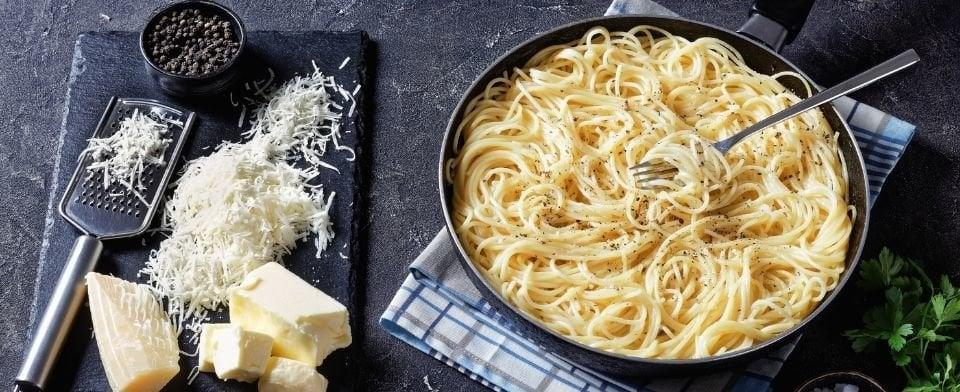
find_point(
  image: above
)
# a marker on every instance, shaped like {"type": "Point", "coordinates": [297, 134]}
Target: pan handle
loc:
{"type": "Point", "coordinates": [776, 22]}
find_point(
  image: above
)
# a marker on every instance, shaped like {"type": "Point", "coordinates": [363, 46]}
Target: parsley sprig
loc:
{"type": "Point", "coordinates": [917, 323]}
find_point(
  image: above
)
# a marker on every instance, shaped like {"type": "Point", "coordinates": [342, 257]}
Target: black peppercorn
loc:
{"type": "Point", "coordinates": [191, 42]}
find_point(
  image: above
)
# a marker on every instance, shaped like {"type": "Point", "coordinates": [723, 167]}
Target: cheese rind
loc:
{"type": "Point", "coordinates": [136, 341]}
{"type": "Point", "coordinates": [305, 323]}
{"type": "Point", "coordinates": [207, 346]}
{"type": "Point", "coordinates": [287, 375]}
{"type": "Point", "coordinates": [239, 354]}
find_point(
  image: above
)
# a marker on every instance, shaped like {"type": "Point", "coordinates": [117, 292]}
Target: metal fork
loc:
{"type": "Point", "coordinates": [649, 171]}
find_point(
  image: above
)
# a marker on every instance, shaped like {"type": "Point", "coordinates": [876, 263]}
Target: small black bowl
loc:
{"type": "Point", "coordinates": [829, 380]}
{"type": "Point", "coordinates": [196, 85]}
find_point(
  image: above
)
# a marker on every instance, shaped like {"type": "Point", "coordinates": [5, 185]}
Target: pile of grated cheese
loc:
{"type": "Point", "coordinates": [123, 156]}
{"type": "Point", "coordinates": [301, 120]}
{"type": "Point", "coordinates": [247, 203]}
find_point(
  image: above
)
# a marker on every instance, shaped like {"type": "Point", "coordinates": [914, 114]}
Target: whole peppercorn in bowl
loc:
{"type": "Point", "coordinates": [193, 48]}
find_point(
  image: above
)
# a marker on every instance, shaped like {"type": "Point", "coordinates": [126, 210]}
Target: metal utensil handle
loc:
{"type": "Point", "coordinates": [884, 69]}
{"type": "Point", "coordinates": [60, 312]}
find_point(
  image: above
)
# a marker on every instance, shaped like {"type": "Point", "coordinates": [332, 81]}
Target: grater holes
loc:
{"type": "Point", "coordinates": [91, 182]}
{"type": "Point", "coordinates": [113, 199]}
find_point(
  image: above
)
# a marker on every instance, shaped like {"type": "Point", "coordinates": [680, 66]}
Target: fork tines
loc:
{"type": "Point", "coordinates": [655, 169]}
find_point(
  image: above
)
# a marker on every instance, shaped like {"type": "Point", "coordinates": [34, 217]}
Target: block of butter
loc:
{"type": "Point", "coordinates": [305, 323]}
{"type": "Point", "coordinates": [207, 346]}
{"type": "Point", "coordinates": [137, 342]}
{"type": "Point", "coordinates": [287, 375]}
{"type": "Point", "coordinates": [239, 354]}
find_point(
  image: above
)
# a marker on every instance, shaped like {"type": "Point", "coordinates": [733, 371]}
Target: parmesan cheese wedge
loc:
{"type": "Point", "coordinates": [136, 341]}
{"type": "Point", "coordinates": [306, 324]}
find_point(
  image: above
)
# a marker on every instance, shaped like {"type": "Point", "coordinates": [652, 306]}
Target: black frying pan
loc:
{"type": "Point", "coordinates": [772, 24]}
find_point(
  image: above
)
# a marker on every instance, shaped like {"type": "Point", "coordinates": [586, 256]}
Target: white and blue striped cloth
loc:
{"type": "Point", "coordinates": [440, 312]}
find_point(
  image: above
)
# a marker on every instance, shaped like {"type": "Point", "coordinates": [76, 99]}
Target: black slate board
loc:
{"type": "Point", "coordinates": [107, 64]}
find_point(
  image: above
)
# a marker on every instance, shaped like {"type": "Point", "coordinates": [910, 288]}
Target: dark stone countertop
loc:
{"type": "Point", "coordinates": [428, 52]}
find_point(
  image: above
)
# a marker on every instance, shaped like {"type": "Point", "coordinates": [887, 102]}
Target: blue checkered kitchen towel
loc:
{"type": "Point", "coordinates": [440, 312]}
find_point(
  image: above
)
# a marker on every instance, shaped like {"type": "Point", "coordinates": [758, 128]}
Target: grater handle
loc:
{"type": "Point", "coordinates": [59, 314]}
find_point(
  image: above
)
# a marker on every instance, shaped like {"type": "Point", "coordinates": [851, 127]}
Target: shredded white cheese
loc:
{"type": "Point", "coordinates": [260, 90]}
{"type": "Point", "coordinates": [123, 156]}
{"type": "Point", "coordinates": [192, 376]}
{"type": "Point", "coordinates": [248, 203]}
{"type": "Point", "coordinates": [301, 118]}
{"type": "Point", "coordinates": [426, 381]}
{"type": "Point", "coordinates": [231, 212]}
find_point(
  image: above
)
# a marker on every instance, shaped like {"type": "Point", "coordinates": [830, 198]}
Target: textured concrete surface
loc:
{"type": "Point", "coordinates": [428, 52]}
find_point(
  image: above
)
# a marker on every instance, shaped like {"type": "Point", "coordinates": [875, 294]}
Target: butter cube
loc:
{"type": "Point", "coordinates": [306, 324]}
{"type": "Point", "coordinates": [207, 346]}
{"type": "Point", "coordinates": [287, 375]}
{"type": "Point", "coordinates": [240, 354]}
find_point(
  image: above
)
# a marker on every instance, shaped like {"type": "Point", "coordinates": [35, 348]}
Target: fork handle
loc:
{"type": "Point", "coordinates": [880, 71]}
{"type": "Point", "coordinates": [59, 314]}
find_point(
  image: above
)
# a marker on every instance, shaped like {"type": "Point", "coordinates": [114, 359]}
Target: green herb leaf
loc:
{"type": "Point", "coordinates": [948, 366]}
{"type": "Point", "coordinates": [862, 343]}
{"type": "Point", "coordinates": [897, 339]}
{"type": "Point", "coordinates": [951, 311]}
{"type": "Point", "coordinates": [877, 273]}
{"type": "Point", "coordinates": [946, 287]}
{"type": "Point", "coordinates": [901, 359]}
{"type": "Point", "coordinates": [916, 321]}
{"type": "Point", "coordinates": [938, 303]}
{"type": "Point", "coordinates": [932, 336]}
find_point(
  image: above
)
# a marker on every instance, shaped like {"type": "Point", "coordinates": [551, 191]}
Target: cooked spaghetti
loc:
{"type": "Point", "coordinates": [733, 251]}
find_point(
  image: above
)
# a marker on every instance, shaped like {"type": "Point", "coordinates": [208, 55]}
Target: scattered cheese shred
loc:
{"type": "Point", "coordinates": [301, 118]}
{"type": "Point", "coordinates": [192, 376]}
{"type": "Point", "coordinates": [123, 156]}
{"type": "Point", "coordinates": [247, 204]}
{"type": "Point", "coordinates": [426, 381]}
